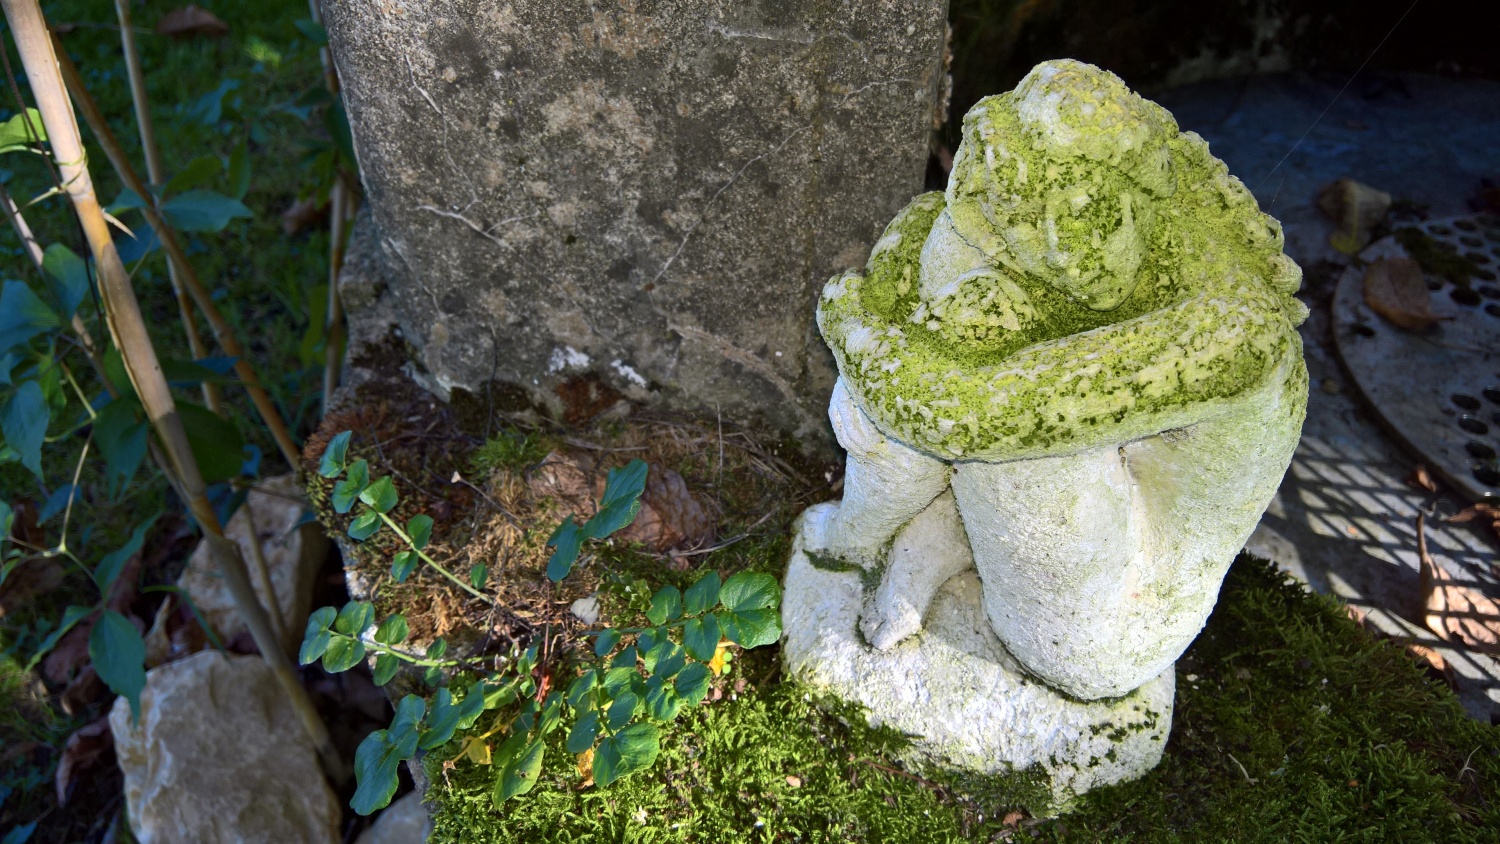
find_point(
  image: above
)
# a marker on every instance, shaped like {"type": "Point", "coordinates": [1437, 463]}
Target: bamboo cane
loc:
{"type": "Point", "coordinates": [123, 315]}
{"type": "Point", "coordinates": [344, 202]}
{"type": "Point", "coordinates": [222, 332]}
{"type": "Point", "coordinates": [211, 397]}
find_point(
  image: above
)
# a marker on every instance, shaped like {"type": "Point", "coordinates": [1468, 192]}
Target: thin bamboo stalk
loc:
{"type": "Point", "coordinates": [123, 315]}
{"type": "Point", "coordinates": [211, 397]}
{"type": "Point", "coordinates": [222, 331]}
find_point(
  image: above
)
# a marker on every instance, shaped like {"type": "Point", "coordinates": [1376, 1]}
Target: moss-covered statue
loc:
{"type": "Point", "coordinates": [1069, 387]}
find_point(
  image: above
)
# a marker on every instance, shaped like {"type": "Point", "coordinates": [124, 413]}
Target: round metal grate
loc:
{"type": "Point", "coordinates": [1437, 391]}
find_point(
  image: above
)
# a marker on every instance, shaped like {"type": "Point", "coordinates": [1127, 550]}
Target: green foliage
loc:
{"type": "Point", "coordinates": [119, 656]}
{"type": "Point", "coordinates": [640, 678]}
{"type": "Point", "coordinates": [21, 131]}
{"type": "Point", "coordinates": [509, 449]}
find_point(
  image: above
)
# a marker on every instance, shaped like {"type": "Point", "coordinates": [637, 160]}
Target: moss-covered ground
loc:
{"type": "Point", "coordinates": [1292, 724]}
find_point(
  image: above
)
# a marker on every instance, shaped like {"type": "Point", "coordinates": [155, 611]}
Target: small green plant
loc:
{"type": "Point", "coordinates": [633, 682]}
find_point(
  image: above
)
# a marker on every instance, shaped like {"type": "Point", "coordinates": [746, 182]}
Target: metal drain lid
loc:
{"type": "Point", "coordinates": [1438, 391]}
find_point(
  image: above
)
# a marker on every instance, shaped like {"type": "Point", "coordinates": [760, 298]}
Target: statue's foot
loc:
{"type": "Point", "coordinates": [927, 552]}
{"type": "Point", "coordinates": [885, 625]}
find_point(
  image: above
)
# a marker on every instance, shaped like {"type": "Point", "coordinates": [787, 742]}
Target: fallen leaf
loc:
{"type": "Point", "coordinates": [85, 750]}
{"type": "Point", "coordinates": [794, 781]}
{"type": "Point", "coordinates": [28, 580]}
{"type": "Point", "coordinates": [676, 518]}
{"type": "Point", "coordinates": [1457, 613]}
{"type": "Point", "coordinates": [1421, 478]}
{"type": "Point", "coordinates": [1435, 660]}
{"type": "Point", "coordinates": [1355, 208]}
{"type": "Point", "coordinates": [191, 21]}
{"type": "Point", "coordinates": [1013, 819]}
{"type": "Point", "coordinates": [1395, 289]}
{"type": "Point", "coordinates": [83, 691]}
{"type": "Point", "coordinates": [586, 767]}
{"type": "Point", "coordinates": [69, 654]}
{"type": "Point", "coordinates": [304, 214]}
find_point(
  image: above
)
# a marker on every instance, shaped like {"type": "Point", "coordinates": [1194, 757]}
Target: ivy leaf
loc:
{"type": "Point", "coordinates": [701, 637]}
{"type": "Point", "coordinates": [121, 437]}
{"type": "Point", "coordinates": [316, 639]}
{"type": "Point", "coordinates": [119, 657]}
{"type": "Point", "coordinates": [749, 590]}
{"type": "Point", "coordinates": [355, 618]}
{"type": "Point", "coordinates": [501, 695]}
{"type": "Point", "coordinates": [663, 703]}
{"type": "Point", "coordinates": [666, 605]}
{"type": "Point", "coordinates": [111, 564]}
{"type": "Point", "coordinates": [25, 424]}
{"type": "Point", "coordinates": [702, 595]}
{"type": "Point", "coordinates": [584, 732]}
{"type": "Point", "coordinates": [22, 315]}
{"type": "Point", "coordinates": [332, 464]}
{"type": "Point", "coordinates": [632, 749]}
{"type": "Point", "coordinates": [478, 575]}
{"type": "Point", "coordinates": [692, 683]}
{"type": "Point", "coordinates": [608, 638]}
{"type": "Point", "coordinates": [364, 525]}
{"type": "Point", "coordinates": [347, 491]}
{"type": "Point", "coordinates": [68, 277]}
{"type": "Point", "coordinates": [386, 667]}
{"type": "Point", "coordinates": [380, 495]}
{"type": "Point", "coordinates": [403, 565]}
{"type": "Point", "coordinates": [520, 774]}
{"type": "Point", "coordinates": [203, 211]}
{"type": "Point", "coordinates": [380, 755]}
{"type": "Point", "coordinates": [392, 631]}
{"type": "Point", "coordinates": [568, 540]}
{"type": "Point", "coordinates": [622, 709]}
{"type": "Point", "coordinates": [420, 530]}
{"type": "Point", "coordinates": [343, 653]}
{"type": "Point", "coordinates": [752, 628]}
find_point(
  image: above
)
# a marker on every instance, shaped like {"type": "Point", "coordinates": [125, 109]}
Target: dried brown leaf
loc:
{"type": "Point", "coordinates": [304, 214]}
{"type": "Point", "coordinates": [1395, 289]}
{"type": "Point", "coordinates": [1421, 478]}
{"type": "Point", "coordinates": [191, 21]}
{"type": "Point", "coordinates": [69, 654]}
{"type": "Point", "coordinates": [1455, 612]}
{"type": "Point", "coordinates": [1435, 660]}
{"type": "Point", "coordinates": [84, 751]}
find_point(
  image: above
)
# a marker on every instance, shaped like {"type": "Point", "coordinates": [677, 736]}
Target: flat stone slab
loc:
{"type": "Point", "coordinates": [955, 690]}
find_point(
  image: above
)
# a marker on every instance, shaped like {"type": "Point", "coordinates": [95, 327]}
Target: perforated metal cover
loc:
{"type": "Point", "coordinates": [1437, 391]}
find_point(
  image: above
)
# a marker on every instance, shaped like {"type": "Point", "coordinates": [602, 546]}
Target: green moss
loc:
{"type": "Point", "coordinates": [1436, 257]}
{"type": "Point", "coordinates": [1343, 735]}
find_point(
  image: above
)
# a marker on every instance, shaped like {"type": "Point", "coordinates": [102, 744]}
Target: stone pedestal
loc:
{"type": "Point", "coordinates": [646, 193]}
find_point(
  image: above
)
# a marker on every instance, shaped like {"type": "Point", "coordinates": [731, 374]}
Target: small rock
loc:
{"type": "Point", "coordinates": [403, 822]}
{"type": "Point", "coordinates": [219, 756]}
{"type": "Point", "coordinates": [1330, 386]}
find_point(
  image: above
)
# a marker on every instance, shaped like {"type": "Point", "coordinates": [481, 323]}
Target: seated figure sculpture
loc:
{"type": "Point", "coordinates": [1069, 386]}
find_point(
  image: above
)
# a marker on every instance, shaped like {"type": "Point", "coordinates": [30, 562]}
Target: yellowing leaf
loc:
{"type": "Point", "coordinates": [477, 749]}
{"type": "Point", "coordinates": [720, 663]}
{"type": "Point", "coordinates": [586, 767]}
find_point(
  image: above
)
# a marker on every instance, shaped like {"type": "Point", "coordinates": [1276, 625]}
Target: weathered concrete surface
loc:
{"type": "Point", "coordinates": [650, 192]}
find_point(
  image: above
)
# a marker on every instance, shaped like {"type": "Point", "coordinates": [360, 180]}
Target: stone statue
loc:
{"type": "Point", "coordinates": [1069, 387]}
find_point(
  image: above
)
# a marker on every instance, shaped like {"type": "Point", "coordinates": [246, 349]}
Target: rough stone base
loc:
{"type": "Point", "coordinates": [954, 688]}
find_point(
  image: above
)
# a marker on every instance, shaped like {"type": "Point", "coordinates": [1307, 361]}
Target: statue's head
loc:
{"type": "Point", "coordinates": [1060, 179]}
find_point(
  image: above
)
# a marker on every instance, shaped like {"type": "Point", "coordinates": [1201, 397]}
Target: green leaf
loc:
{"type": "Point", "coordinates": [692, 683]}
{"type": "Point", "coordinates": [420, 530]}
{"type": "Point", "coordinates": [702, 595]}
{"type": "Point", "coordinates": [343, 653]}
{"type": "Point", "coordinates": [191, 373]}
{"type": "Point", "coordinates": [68, 276]}
{"type": "Point", "coordinates": [750, 590]}
{"type": "Point", "coordinates": [364, 525]}
{"type": "Point", "coordinates": [334, 456]}
{"type": "Point", "coordinates": [473, 706]}
{"type": "Point", "coordinates": [199, 171]}
{"type": "Point", "coordinates": [23, 315]}
{"type": "Point", "coordinates": [663, 703]}
{"type": "Point", "coordinates": [624, 484]}
{"type": "Point", "coordinates": [119, 657]}
{"type": "Point", "coordinates": [347, 491]}
{"type": "Point", "coordinates": [313, 30]}
{"type": "Point", "coordinates": [578, 690]}
{"type": "Point", "coordinates": [316, 638]}
{"type": "Point", "coordinates": [624, 659]}
{"type": "Point", "coordinates": [403, 565]}
{"type": "Point", "coordinates": [585, 730]}
{"type": "Point", "coordinates": [449, 717]}
{"type": "Point", "coordinates": [215, 441]}
{"type": "Point", "coordinates": [617, 679]}
{"type": "Point", "coordinates": [621, 709]}
{"type": "Point", "coordinates": [386, 667]}
{"type": "Point", "coordinates": [392, 631]}
{"type": "Point", "coordinates": [501, 695]}
{"type": "Point", "coordinates": [752, 628]}
{"type": "Point", "coordinates": [111, 564]}
{"type": "Point", "coordinates": [701, 637]}
{"type": "Point", "coordinates": [438, 647]}
{"type": "Point", "coordinates": [70, 618]}
{"type": "Point", "coordinates": [25, 424]}
{"type": "Point", "coordinates": [666, 605]}
{"type": "Point", "coordinates": [121, 435]}
{"type": "Point", "coordinates": [670, 662]}
{"type": "Point", "coordinates": [21, 130]}
{"type": "Point", "coordinates": [355, 618]}
{"type": "Point", "coordinates": [567, 539]}
{"type": "Point", "coordinates": [478, 575]}
{"type": "Point", "coordinates": [433, 676]}
{"type": "Point", "coordinates": [520, 774]}
{"type": "Point", "coordinates": [612, 518]}
{"type": "Point", "coordinates": [608, 638]}
{"type": "Point", "coordinates": [239, 171]}
{"type": "Point", "coordinates": [380, 495]}
{"type": "Point", "coordinates": [632, 749]}
{"type": "Point", "coordinates": [378, 759]}
{"type": "Point", "coordinates": [203, 211]}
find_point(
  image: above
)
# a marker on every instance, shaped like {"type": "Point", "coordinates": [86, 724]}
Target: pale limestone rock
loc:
{"type": "Point", "coordinates": [294, 547]}
{"type": "Point", "coordinates": [218, 757]}
{"type": "Point", "coordinates": [403, 822]}
{"type": "Point", "coordinates": [1090, 339]}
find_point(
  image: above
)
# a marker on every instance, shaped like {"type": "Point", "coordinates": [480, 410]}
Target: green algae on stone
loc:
{"type": "Point", "coordinates": [1092, 275]}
